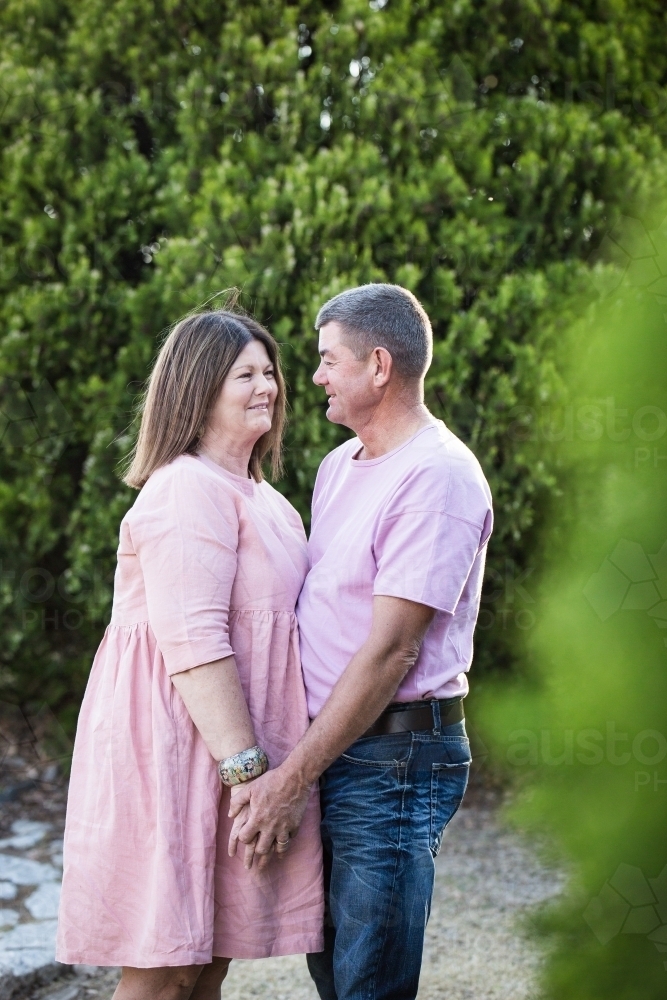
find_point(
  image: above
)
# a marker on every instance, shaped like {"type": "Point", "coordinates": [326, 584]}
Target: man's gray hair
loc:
{"type": "Point", "coordinates": [380, 315]}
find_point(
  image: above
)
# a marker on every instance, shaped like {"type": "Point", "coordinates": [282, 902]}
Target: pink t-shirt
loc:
{"type": "Point", "coordinates": [413, 523]}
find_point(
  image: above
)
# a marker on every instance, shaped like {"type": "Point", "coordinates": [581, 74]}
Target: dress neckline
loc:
{"type": "Point", "coordinates": [246, 485]}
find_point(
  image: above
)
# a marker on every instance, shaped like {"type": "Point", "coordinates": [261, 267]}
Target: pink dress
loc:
{"type": "Point", "coordinates": [208, 564]}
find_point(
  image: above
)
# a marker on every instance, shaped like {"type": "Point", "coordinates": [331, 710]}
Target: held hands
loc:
{"type": "Point", "coordinates": [266, 812]}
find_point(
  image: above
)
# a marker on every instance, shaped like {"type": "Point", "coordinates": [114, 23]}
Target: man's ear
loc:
{"type": "Point", "coordinates": [382, 366]}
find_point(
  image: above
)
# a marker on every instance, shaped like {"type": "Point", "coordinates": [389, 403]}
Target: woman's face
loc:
{"type": "Point", "coordinates": [244, 408]}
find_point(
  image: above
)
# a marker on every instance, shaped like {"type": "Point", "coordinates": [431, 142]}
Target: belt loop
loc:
{"type": "Point", "coordinates": [435, 708]}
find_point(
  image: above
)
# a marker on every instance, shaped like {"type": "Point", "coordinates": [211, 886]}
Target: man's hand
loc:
{"type": "Point", "coordinates": [266, 812]}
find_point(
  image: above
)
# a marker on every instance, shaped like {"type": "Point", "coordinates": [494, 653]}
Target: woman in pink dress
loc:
{"type": "Point", "coordinates": [199, 663]}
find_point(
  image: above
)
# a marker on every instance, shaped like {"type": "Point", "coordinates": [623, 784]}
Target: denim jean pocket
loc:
{"type": "Point", "coordinates": [380, 751]}
{"type": "Point", "coordinates": [448, 784]}
{"type": "Point", "coordinates": [452, 751]}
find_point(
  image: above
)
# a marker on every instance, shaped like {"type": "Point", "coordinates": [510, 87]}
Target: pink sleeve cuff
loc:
{"type": "Point", "coordinates": [196, 653]}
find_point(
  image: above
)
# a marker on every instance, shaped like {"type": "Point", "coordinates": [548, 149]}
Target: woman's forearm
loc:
{"type": "Point", "coordinates": [214, 699]}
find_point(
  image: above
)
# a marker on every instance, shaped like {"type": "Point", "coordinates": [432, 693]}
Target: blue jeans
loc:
{"type": "Point", "coordinates": [385, 805]}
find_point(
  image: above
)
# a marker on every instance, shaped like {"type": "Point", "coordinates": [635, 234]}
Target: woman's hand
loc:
{"type": "Point", "coordinates": [250, 848]}
{"type": "Point", "coordinates": [266, 812]}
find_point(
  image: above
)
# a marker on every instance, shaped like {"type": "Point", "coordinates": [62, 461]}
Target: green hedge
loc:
{"type": "Point", "coordinates": [154, 154]}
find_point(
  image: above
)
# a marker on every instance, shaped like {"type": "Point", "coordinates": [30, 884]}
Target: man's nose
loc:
{"type": "Point", "coordinates": [319, 376]}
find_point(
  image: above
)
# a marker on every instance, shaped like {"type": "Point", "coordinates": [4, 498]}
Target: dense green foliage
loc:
{"type": "Point", "coordinates": [156, 153]}
{"type": "Point", "coordinates": [584, 729]}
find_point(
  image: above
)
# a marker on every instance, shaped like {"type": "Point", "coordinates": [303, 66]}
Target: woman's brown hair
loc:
{"type": "Point", "coordinates": [184, 385]}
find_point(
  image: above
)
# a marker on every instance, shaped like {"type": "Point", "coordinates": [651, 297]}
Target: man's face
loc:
{"type": "Point", "coordinates": [347, 381]}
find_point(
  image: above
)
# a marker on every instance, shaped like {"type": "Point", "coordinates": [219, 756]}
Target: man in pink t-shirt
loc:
{"type": "Point", "coordinates": [401, 519]}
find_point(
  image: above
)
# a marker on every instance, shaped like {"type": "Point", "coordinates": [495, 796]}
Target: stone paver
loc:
{"type": "Point", "coordinates": [27, 948]}
{"type": "Point", "coordinates": [24, 871]}
{"type": "Point", "coordinates": [28, 927]}
{"type": "Point", "coordinates": [42, 904]}
{"type": "Point", "coordinates": [26, 833]}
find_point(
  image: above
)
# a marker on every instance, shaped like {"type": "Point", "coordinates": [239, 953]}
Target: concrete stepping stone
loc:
{"type": "Point", "coordinates": [24, 871]}
{"type": "Point", "coordinates": [27, 833]}
{"type": "Point", "coordinates": [43, 903]}
{"type": "Point", "coordinates": [8, 918]}
{"type": "Point", "coordinates": [27, 947]}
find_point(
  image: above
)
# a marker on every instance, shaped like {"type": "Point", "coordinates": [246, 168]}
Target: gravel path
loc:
{"type": "Point", "coordinates": [487, 879]}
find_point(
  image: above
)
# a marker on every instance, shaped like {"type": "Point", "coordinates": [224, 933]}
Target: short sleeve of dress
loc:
{"type": "Point", "coordinates": [185, 536]}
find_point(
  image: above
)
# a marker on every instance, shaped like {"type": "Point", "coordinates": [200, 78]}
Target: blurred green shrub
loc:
{"type": "Point", "coordinates": [154, 154]}
{"type": "Point", "coordinates": [583, 731]}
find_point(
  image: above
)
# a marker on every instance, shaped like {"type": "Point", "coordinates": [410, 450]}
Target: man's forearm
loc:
{"type": "Point", "coordinates": [361, 694]}
{"type": "Point", "coordinates": [366, 687]}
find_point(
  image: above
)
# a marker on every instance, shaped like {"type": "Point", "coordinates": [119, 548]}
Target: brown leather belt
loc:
{"type": "Point", "coordinates": [415, 716]}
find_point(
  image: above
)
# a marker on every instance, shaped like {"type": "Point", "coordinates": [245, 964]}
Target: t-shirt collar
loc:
{"type": "Point", "coordinates": [364, 463]}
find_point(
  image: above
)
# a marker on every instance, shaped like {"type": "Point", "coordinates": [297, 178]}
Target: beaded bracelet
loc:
{"type": "Point", "coordinates": [243, 766]}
